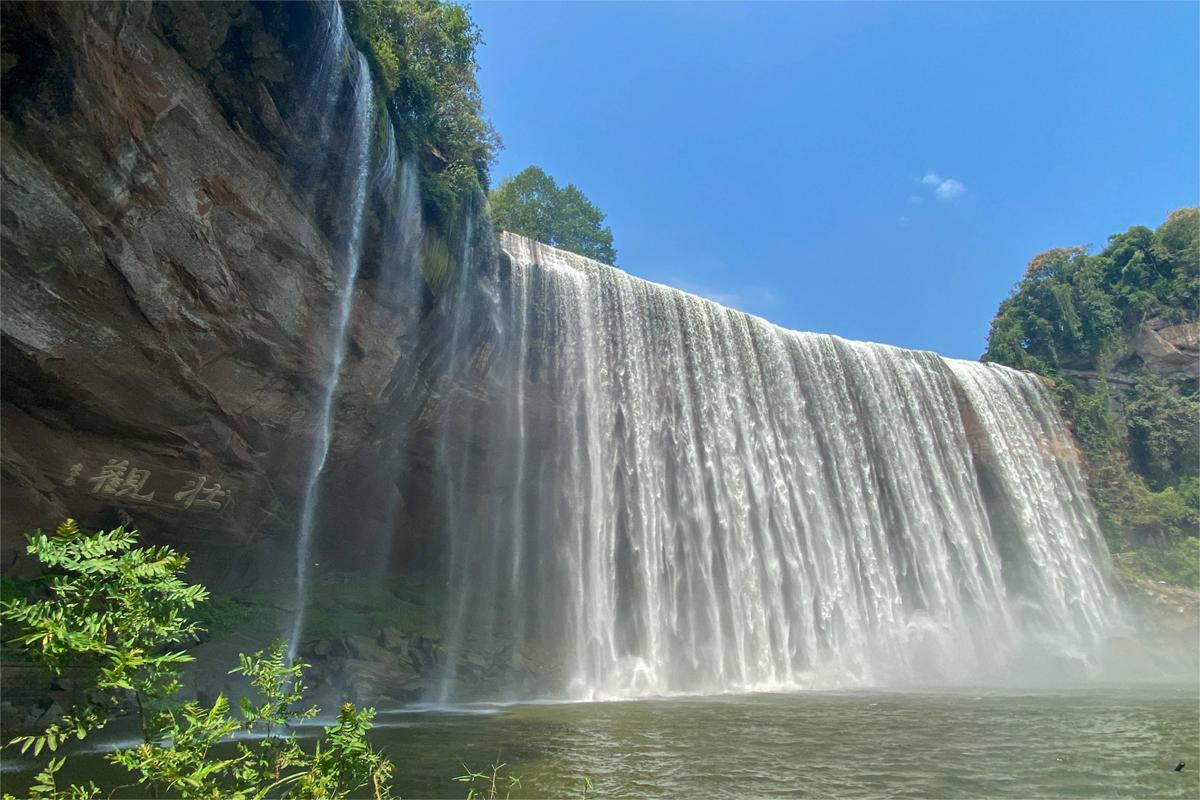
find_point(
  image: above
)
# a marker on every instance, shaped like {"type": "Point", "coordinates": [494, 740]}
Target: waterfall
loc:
{"type": "Point", "coordinates": [643, 493]}
{"type": "Point", "coordinates": [356, 161]}
{"type": "Point", "coordinates": [690, 499]}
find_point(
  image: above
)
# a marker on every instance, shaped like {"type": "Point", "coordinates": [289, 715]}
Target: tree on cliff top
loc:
{"type": "Point", "coordinates": [423, 54]}
{"type": "Point", "coordinates": [532, 204]}
{"type": "Point", "coordinates": [1076, 314]}
{"type": "Point", "coordinates": [1078, 310]}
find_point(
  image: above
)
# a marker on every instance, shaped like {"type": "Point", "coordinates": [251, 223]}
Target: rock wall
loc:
{"type": "Point", "coordinates": [169, 284]}
{"type": "Point", "coordinates": [1167, 348]}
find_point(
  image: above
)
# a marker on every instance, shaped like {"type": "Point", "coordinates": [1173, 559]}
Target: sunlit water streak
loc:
{"type": "Point", "coordinates": [358, 166]}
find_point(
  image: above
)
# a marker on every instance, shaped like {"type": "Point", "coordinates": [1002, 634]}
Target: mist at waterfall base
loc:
{"type": "Point", "coordinates": [658, 495]}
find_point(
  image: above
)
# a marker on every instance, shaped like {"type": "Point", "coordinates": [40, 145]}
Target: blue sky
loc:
{"type": "Point", "coordinates": [878, 171]}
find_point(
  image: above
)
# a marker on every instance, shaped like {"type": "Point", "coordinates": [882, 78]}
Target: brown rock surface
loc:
{"type": "Point", "coordinates": [1169, 349]}
{"type": "Point", "coordinates": [170, 278]}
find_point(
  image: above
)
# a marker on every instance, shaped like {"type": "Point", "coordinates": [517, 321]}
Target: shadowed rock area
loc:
{"type": "Point", "coordinates": [170, 276]}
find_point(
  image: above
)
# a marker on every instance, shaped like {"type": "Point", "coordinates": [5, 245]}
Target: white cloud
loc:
{"type": "Point", "coordinates": [943, 188]}
{"type": "Point", "coordinates": [949, 189]}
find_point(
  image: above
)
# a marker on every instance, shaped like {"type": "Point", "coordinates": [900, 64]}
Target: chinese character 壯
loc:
{"type": "Point", "coordinates": [196, 494]}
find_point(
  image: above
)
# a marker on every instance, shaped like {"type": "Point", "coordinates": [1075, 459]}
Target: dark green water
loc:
{"type": "Point", "coordinates": [1095, 743]}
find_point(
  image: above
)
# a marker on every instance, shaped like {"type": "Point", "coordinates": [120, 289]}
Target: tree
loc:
{"type": "Point", "coordinates": [423, 54]}
{"type": "Point", "coordinates": [112, 605]}
{"type": "Point", "coordinates": [532, 204]}
{"type": "Point", "coordinates": [1074, 312]}
{"type": "Point", "coordinates": [120, 608]}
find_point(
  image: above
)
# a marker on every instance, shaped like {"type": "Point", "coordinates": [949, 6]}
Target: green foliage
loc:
{"type": "Point", "coordinates": [345, 762]}
{"type": "Point", "coordinates": [119, 608]}
{"type": "Point", "coordinates": [423, 54]}
{"type": "Point", "coordinates": [489, 785]}
{"type": "Point", "coordinates": [1090, 414]}
{"type": "Point", "coordinates": [1075, 312]}
{"type": "Point", "coordinates": [532, 204]}
{"type": "Point", "coordinates": [278, 684]}
{"type": "Point", "coordinates": [1163, 438]}
{"type": "Point", "coordinates": [112, 605]}
{"type": "Point", "coordinates": [44, 785]}
{"type": "Point", "coordinates": [12, 589]}
{"type": "Point", "coordinates": [1178, 563]}
{"type": "Point", "coordinates": [341, 606]}
{"type": "Point", "coordinates": [222, 615]}
{"type": "Point", "coordinates": [197, 761]}
{"type": "Point", "coordinates": [16, 589]}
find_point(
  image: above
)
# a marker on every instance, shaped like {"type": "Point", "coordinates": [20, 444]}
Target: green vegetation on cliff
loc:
{"type": "Point", "coordinates": [422, 52]}
{"type": "Point", "coordinates": [532, 204]}
{"type": "Point", "coordinates": [1090, 323]}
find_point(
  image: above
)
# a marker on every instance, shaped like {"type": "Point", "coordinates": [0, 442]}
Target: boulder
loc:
{"type": "Point", "coordinates": [393, 639]}
{"type": "Point", "coordinates": [1169, 349]}
{"type": "Point", "coordinates": [367, 648]}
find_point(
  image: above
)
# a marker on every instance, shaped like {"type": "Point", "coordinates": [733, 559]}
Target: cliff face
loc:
{"type": "Point", "coordinates": [1163, 347]}
{"type": "Point", "coordinates": [1170, 349]}
{"type": "Point", "coordinates": [170, 277]}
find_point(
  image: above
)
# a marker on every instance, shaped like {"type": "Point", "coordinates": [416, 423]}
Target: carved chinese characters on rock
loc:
{"type": "Point", "coordinates": [118, 478]}
{"type": "Point", "coordinates": [200, 494]}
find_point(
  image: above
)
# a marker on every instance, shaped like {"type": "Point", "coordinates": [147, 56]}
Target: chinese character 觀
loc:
{"type": "Point", "coordinates": [134, 483]}
{"type": "Point", "coordinates": [111, 477]}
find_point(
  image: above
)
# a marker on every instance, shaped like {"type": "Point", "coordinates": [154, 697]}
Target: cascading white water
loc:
{"type": "Point", "coordinates": [357, 169]}
{"type": "Point", "coordinates": [695, 500]}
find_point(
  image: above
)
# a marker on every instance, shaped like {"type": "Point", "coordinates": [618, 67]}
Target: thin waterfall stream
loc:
{"type": "Point", "coordinates": [359, 168]}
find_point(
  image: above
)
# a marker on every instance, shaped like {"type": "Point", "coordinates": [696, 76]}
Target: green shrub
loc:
{"type": "Point", "coordinates": [1163, 437]}
{"type": "Point", "coordinates": [122, 609]}
{"type": "Point", "coordinates": [491, 785]}
{"type": "Point", "coordinates": [1178, 563]}
{"type": "Point", "coordinates": [112, 605]}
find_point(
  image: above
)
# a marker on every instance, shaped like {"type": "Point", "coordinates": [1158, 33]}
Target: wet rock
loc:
{"type": "Point", "coordinates": [367, 648]}
{"type": "Point", "coordinates": [393, 639]}
{"type": "Point", "coordinates": [376, 684]}
{"type": "Point", "coordinates": [50, 714]}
